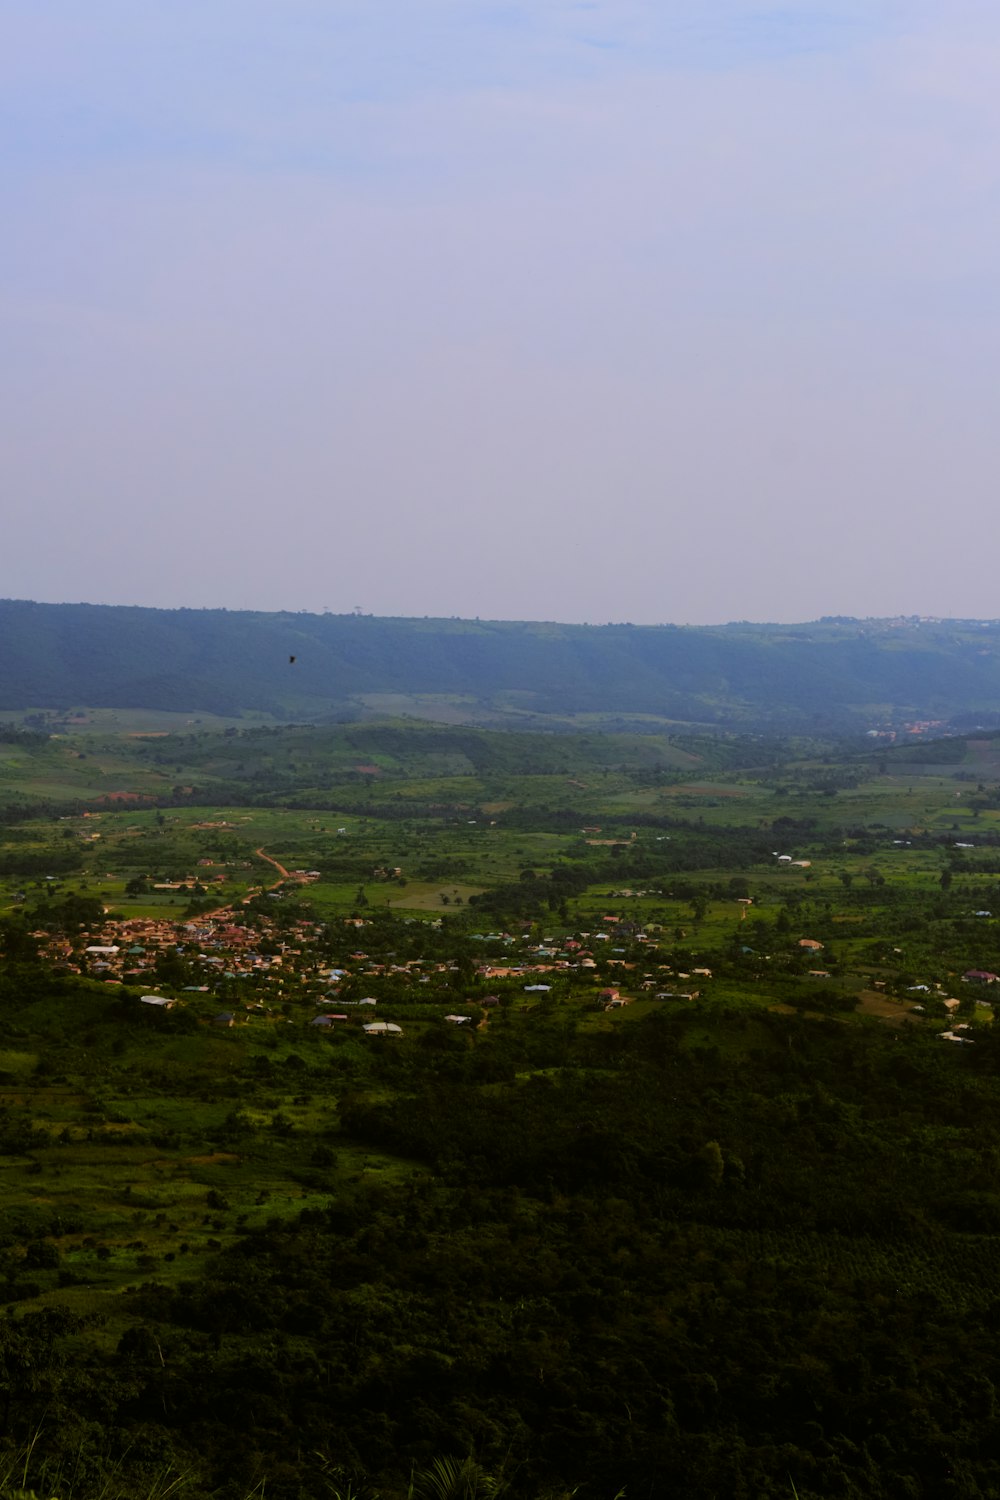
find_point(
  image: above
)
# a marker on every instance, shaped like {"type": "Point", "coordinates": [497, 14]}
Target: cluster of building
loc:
{"type": "Point", "coordinates": [251, 959]}
{"type": "Point", "coordinates": [258, 963]}
{"type": "Point", "coordinates": [132, 949]}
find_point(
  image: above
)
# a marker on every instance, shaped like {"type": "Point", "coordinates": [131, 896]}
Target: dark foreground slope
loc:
{"type": "Point", "coordinates": [841, 673]}
{"type": "Point", "coordinates": [714, 1252]}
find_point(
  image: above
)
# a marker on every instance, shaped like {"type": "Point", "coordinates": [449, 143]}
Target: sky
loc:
{"type": "Point", "coordinates": [578, 310]}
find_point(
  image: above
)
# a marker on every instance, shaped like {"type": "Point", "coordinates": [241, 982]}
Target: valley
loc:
{"type": "Point", "coordinates": [592, 1110]}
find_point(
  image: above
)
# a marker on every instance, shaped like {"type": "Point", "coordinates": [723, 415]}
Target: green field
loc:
{"type": "Point", "coordinates": [695, 1188]}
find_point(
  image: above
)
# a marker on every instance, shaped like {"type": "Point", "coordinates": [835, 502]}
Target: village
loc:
{"type": "Point", "coordinates": [242, 964]}
{"type": "Point", "coordinates": [259, 967]}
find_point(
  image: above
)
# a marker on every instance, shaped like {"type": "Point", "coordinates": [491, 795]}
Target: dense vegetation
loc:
{"type": "Point", "coordinates": [702, 1252]}
{"type": "Point", "coordinates": [734, 1236]}
{"type": "Point", "coordinates": [833, 674]}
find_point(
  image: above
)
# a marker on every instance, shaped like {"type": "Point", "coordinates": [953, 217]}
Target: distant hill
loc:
{"type": "Point", "coordinates": [836, 674]}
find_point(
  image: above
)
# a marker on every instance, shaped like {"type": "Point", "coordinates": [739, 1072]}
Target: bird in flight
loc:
{"type": "Point", "coordinates": [291, 660]}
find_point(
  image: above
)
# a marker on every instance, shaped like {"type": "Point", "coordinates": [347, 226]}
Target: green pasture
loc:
{"type": "Point", "coordinates": [161, 1144]}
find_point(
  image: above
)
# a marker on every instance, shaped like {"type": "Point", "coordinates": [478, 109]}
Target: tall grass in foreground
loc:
{"type": "Point", "coordinates": [443, 1479]}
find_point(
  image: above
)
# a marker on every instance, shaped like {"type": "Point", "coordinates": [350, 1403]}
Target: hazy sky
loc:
{"type": "Point", "coordinates": [608, 310]}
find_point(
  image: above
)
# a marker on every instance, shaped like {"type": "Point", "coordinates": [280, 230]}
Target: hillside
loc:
{"type": "Point", "coordinates": [832, 675]}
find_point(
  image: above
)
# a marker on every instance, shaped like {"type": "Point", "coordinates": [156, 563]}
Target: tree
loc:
{"type": "Point", "coordinates": [16, 942]}
{"type": "Point", "coordinates": [710, 1167]}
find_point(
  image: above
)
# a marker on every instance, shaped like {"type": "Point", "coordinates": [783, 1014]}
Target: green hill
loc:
{"type": "Point", "coordinates": [834, 674]}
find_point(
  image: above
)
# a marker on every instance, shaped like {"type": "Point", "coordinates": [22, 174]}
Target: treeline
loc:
{"type": "Point", "coordinates": [58, 859]}
{"type": "Point", "coordinates": [14, 734]}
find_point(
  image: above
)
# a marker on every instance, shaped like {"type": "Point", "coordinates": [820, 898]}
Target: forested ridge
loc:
{"type": "Point", "coordinates": [830, 674]}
